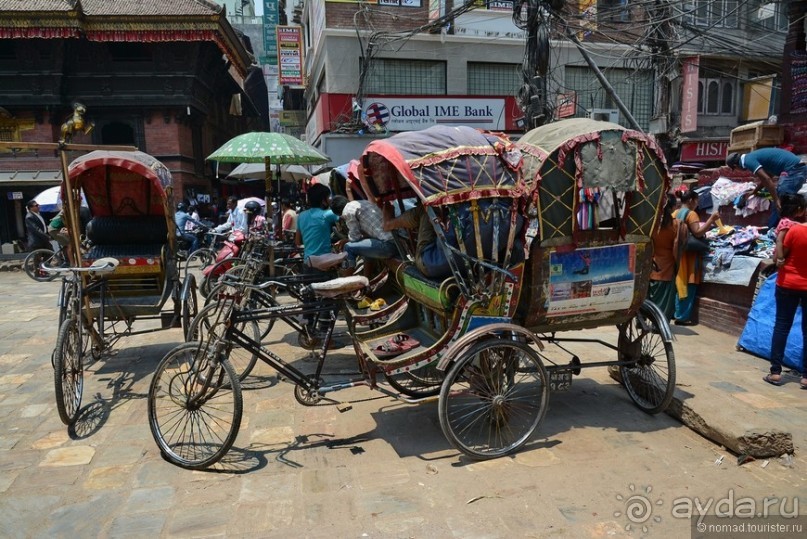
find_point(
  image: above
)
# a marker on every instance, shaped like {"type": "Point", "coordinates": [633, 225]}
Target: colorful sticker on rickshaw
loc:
{"type": "Point", "coordinates": [596, 279]}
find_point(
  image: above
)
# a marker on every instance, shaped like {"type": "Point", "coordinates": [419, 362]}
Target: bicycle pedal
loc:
{"type": "Point", "coordinates": [344, 408]}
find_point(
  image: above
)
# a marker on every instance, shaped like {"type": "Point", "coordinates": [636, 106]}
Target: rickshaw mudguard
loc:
{"type": "Point", "coordinates": [484, 332]}
{"type": "Point", "coordinates": [650, 308]}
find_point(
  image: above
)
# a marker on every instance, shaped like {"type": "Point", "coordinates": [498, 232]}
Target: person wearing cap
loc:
{"type": "Point", "coordinates": [765, 164]}
{"type": "Point", "coordinates": [37, 230]}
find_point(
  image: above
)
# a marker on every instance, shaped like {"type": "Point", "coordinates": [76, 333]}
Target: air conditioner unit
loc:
{"type": "Point", "coordinates": [604, 115]}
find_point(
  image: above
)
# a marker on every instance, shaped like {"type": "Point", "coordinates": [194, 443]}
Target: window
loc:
{"type": "Point", "coordinates": [716, 97]}
{"type": "Point", "coordinates": [415, 77]}
{"type": "Point", "coordinates": [493, 79]}
{"type": "Point", "coordinates": [635, 88]}
{"type": "Point", "coordinates": [712, 13]}
{"type": "Point", "coordinates": [768, 15]}
{"type": "Point", "coordinates": [613, 11]}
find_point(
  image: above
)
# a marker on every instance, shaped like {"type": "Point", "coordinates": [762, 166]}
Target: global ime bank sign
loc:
{"type": "Point", "coordinates": [412, 114]}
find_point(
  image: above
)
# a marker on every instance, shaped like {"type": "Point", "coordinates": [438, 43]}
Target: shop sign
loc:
{"type": "Point", "coordinates": [566, 104]}
{"type": "Point", "coordinates": [704, 150]}
{"type": "Point", "coordinates": [413, 114]}
{"type": "Point", "coordinates": [15, 195]}
{"type": "Point", "coordinates": [271, 18]}
{"type": "Point", "coordinates": [290, 48]}
{"type": "Point", "coordinates": [292, 117]}
{"type": "Point", "coordinates": [689, 99]}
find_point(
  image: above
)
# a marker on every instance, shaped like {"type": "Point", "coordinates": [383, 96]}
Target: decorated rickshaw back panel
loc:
{"type": "Point", "coordinates": [598, 190]}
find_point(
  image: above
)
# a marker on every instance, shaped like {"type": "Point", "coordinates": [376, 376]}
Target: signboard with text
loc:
{"type": "Point", "coordinates": [414, 113]}
{"type": "Point", "coordinates": [290, 55]}
{"type": "Point", "coordinates": [689, 94]}
{"type": "Point", "coordinates": [704, 150]}
{"type": "Point", "coordinates": [270, 21]}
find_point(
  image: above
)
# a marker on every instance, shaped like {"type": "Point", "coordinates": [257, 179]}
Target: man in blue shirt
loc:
{"type": "Point", "coordinates": [181, 218]}
{"type": "Point", "coordinates": [314, 225]}
{"type": "Point", "coordinates": [766, 163]}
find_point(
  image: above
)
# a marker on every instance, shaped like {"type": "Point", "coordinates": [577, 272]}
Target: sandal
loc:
{"type": "Point", "coordinates": [773, 381]}
{"type": "Point", "coordinates": [396, 346]}
{"type": "Point", "coordinates": [364, 303]}
{"type": "Point", "coordinates": [378, 304]}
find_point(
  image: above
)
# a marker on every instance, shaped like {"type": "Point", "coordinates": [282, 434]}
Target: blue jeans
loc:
{"type": "Point", "coordinates": [369, 248]}
{"type": "Point", "coordinates": [787, 301]}
{"type": "Point", "coordinates": [192, 240]}
{"type": "Point", "coordinates": [789, 183]}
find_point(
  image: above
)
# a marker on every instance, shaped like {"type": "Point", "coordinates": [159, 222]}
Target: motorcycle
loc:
{"type": "Point", "coordinates": [225, 259]}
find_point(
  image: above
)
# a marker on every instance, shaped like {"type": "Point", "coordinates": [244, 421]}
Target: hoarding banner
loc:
{"type": "Point", "coordinates": [689, 94]}
{"type": "Point", "coordinates": [290, 50]}
{"type": "Point", "coordinates": [415, 113]}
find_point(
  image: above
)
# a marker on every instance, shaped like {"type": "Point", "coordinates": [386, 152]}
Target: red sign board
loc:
{"type": "Point", "coordinates": [689, 97]}
{"type": "Point", "coordinates": [704, 150]}
{"type": "Point", "coordinates": [566, 104]}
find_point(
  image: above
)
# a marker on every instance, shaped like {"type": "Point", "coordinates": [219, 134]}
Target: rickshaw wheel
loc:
{"type": "Point", "coordinates": [422, 382]}
{"type": "Point", "coordinates": [214, 316]}
{"type": "Point", "coordinates": [307, 341]}
{"type": "Point", "coordinates": [194, 409]}
{"type": "Point", "coordinates": [68, 372]}
{"type": "Point", "coordinates": [650, 381]}
{"type": "Point", "coordinates": [493, 398]}
{"type": "Point", "coordinates": [33, 262]}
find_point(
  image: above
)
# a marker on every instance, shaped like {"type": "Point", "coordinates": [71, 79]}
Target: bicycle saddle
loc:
{"type": "Point", "coordinates": [340, 286]}
{"type": "Point", "coordinates": [104, 265]}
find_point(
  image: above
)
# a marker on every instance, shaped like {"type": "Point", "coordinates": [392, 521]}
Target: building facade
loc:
{"type": "Point", "coordinates": [172, 78]}
{"type": "Point", "coordinates": [384, 66]}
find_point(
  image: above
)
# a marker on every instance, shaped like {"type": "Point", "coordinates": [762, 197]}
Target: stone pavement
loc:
{"type": "Point", "coordinates": [382, 469]}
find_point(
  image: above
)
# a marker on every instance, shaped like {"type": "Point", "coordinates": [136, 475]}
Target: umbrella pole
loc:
{"type": "Point", "coordinates": [267, 163]}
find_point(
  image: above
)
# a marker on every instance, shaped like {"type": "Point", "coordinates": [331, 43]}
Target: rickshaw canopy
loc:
{"type": "Point", "coordinates": [122, 184]}
{"type": "Point", "coordinates": [442, 165]}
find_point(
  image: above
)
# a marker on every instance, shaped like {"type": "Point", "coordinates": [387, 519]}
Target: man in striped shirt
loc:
{"type": "Point", "coordinates": [366, 236]}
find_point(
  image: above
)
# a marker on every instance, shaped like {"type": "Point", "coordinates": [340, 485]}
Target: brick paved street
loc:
{"type": "Point", "coordinates": [382, 469]}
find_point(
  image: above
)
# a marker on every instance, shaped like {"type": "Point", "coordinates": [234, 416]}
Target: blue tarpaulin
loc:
{"type": "Point", "coordinates": [756, 336]}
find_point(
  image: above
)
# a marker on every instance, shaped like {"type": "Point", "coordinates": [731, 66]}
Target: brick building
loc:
{"type": "Point", "coordinates": [172, 78]}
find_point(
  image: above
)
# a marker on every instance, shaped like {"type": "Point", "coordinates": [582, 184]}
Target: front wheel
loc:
{"type": "Point", "coordinates": [195, 406]}
{"type": "Point", "coordinates": [493, 398]}
{"type": "Point", "coordinates": [68, 373]}
{"type": "Point", "coordinates": [650, 378]}
{"type": "Point", "coordinates": [200, 259]}
{"type": "Point", "coordinates": [33, 265]}
{"type": "Point", "coordinates": [215, 317]}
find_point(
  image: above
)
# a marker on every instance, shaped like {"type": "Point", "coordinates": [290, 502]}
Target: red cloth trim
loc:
{"type": "Point", "coordinates": [39, 33]}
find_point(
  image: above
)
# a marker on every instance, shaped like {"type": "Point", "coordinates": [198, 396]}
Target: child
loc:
{"type": "Point", "coordinates": [793, 209]}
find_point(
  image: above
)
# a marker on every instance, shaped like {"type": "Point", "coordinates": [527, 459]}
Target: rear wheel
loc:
{"type": "Point", "coordinates": [213, 318]}
{"type": "Point", "coordinates": [68, 372]}
{"type": "Point", "coordinates": [650, 380]}
{"type": "Point", "coordinates": [33, 265]}
{"type": "Point", "coordinates": [493, 398]}
{"type": "Point", "coordinates": [195, 406]}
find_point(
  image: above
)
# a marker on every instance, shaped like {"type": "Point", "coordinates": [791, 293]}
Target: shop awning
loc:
{"type": "Point", "coordinates": [30, 177]}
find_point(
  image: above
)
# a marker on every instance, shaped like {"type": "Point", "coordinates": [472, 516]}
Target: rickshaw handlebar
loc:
{"type": "Point", "coordinates": [102, 265]}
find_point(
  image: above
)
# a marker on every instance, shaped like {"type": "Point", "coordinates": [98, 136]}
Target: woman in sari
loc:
{"type": "Point", "coordinates": [665, 259]}
{"type": "Point", "coordinates": [690, 264]}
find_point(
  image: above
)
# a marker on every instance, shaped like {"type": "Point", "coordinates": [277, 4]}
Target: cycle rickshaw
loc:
{"type": "Point", "coordinates": [548, 235]}
{"type": "Point", "coordinates": [128, 271]}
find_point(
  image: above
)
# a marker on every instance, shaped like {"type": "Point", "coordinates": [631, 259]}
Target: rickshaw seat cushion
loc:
{"type": "Point", "coordinates": [124, 251]}
{"type": "Point", "coordinates": [437, 294]}
{"type": "Point", "coordinates": [149, 231]}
